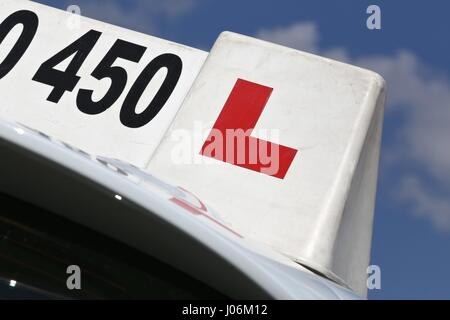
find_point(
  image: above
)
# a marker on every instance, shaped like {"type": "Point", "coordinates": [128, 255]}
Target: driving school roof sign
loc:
{"type": "Point", "coordinates": [106, 89]}
{"type": "Point", "coordinates": [288, 145]}
{"type": "Point", "coordinates": [316, 123]}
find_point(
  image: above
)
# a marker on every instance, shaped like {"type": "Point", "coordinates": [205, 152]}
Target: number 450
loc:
{"type": "Point", "coordinates": [63, 81]}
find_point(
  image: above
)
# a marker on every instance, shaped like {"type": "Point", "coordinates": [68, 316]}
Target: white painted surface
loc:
{"type": "Point", "coordinates": [25, 100]}
{"type": "Point", "coordinates": [150, 222]}
{"type": "Point", "coordinates": [320, 214]}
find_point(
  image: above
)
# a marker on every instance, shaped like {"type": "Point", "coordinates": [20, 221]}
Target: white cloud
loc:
{"type": "Point", "coordinates": [426, 204]}
{"type": "Point", "coordinates": [170, 8]}
{"type": "Point", "coordinates": [424, 95]}
{"type": "Point", "coordinates": [303, 36]}
{"type": "Point", "coordinates": [141, 15]}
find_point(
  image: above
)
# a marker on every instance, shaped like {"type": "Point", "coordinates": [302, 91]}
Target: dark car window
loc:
{"type": "Point", "coordinates": [37, 246]}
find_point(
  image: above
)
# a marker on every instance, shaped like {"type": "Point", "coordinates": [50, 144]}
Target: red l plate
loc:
{"type": "Point", "coordinates": [233, 128]}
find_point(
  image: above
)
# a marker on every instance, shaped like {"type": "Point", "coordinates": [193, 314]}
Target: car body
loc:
{"type": "Point", "coordinates": [136, 208]}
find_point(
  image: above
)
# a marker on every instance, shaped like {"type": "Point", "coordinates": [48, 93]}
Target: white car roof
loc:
{"type": "Point", "coordinates": [139, 212]}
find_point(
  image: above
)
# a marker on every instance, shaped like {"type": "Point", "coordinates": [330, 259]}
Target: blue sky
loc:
{"type": "Point", "coordinates": [412, 219]}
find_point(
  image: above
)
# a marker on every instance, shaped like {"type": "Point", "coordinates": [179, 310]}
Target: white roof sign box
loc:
{"type": "Point", "coordinates": [303, 179]}
{"type": "Point", "coordinates": [102, 88]}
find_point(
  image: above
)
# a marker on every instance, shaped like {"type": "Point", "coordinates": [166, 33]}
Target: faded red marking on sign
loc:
{"type": "Point", "coordinates": [202, 210]}
{"type": "Point", "coordinates": [241, 111]}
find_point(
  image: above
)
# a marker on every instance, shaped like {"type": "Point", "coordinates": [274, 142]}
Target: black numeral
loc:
{"type": "Point", "coordinates": [30, 23]}
{"type": "Point", "coordinates": [128, 115]}
{"type": "Point", "coordinates": [118, 75]}
{"type": "Point", "coordinates": [78, 51]}
{"type": "Point", "coordinates": [63, 81]}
